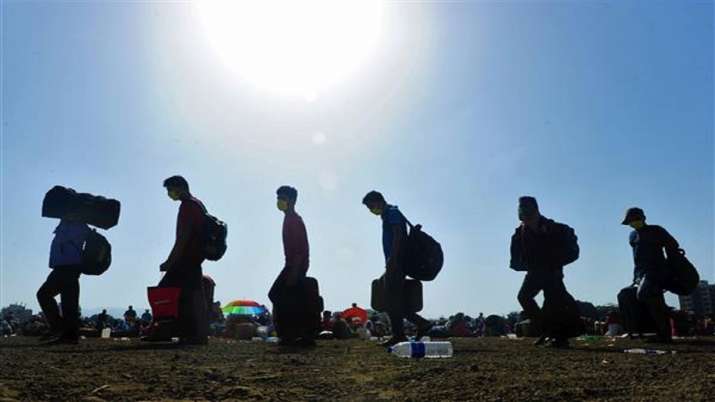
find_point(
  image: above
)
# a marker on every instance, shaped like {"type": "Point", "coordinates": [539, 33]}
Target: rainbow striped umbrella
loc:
{"type": "Point", "coordinates": [244, 307]}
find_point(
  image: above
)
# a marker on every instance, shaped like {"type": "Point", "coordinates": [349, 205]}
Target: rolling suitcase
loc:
{"type": "Point", "coordinates": [412, 295]}
{"type": "Point", "coordinates": [90, 209]}
{"type": "Point", "coordinates": [296, 309]}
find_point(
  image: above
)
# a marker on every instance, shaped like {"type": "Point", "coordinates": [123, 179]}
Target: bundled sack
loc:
{"type": "Point", "coordinates": [636, 317]}
{"type": "Point", "coordinates": [90, 209]}
{"type": "Point", "coordinates": [682, 277]}
{"type": "Point", "coordinates": [424, 257]}
{"type": "Point", "coordinates": [412, 295]}
{"type": "Point", "coordinates": [96, 254]}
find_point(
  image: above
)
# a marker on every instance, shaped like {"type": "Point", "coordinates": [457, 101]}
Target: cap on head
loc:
{"type": "Point", "coordinates": [633, 214]}
{"type": "Point", "coordinates": [287, 192]}
{"type": "Point", "coordinates": [528, 201]}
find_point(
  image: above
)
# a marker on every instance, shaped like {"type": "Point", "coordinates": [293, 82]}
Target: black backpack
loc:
{"type": "Point", "coordinates": [423, 254]}
{"type": "Point", "coordinates": [682, 277]}
{"type": "Point", "coordinates": [96, 254]}
{"type": "Point", "coordinates": [213, 236]}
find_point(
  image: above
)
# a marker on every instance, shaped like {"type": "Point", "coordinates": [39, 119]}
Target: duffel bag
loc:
{"type": "Point", "coordinates": [412, 295]}
{"type": "Point", "coordinates": [682, 277]}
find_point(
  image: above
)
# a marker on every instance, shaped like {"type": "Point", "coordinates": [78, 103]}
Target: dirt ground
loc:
{"type": "Point", "coordinates": [491, 369]}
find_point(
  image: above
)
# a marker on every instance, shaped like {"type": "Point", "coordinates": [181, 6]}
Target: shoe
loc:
{"type": "Point", "coordinates": [62, 340]}
{"type": "Point", "coordinates": [421, 332]}
{"type": "Point", "coordinates": [306, 343]}
{"type": "Point", "coordinates": [49, 335]}
{"type": "Point", "coordinates": [194, 341]}
{"type": "Point", "coordinates": [155, 338]}
{"type": "Point", "coordinates": [542, 340]}
{"type": "Point", "coordinates": [660, 339]}
{"type": "Point", "coordinates": [393, 341]}
{"type": "Point", "coordinates": [559, 343]}
{"type": "Point", "coordinates": [287, 342]}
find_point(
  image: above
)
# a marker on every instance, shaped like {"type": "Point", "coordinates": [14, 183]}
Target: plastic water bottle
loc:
{"type": "Point", "coordinates": [649, 351]}
{"type": "Point", "coordinates": [422, 349]}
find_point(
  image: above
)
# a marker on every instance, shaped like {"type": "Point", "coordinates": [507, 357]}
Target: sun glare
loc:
{"type": "Point", "coordinates": [294, 48]}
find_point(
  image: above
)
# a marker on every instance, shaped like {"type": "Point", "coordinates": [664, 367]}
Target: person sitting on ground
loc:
{"type": "Point", "coordinates": [130, 316]}
{"type": "Point", "coordinates": [102, 319]}
{"type": "Point", "coordinates": [327, 322]}
{"type": "Point", "coordinates": [146, 317]}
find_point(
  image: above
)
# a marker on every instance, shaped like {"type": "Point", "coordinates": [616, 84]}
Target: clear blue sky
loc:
{"type": "Point", "coordinates": [590, 107]}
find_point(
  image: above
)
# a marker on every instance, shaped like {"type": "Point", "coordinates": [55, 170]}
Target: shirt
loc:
{"type": "Point", "coordinates": [191, 218]}
{"type": "Point", "coordinates": [67, 245]}
{"type": "Point", "coordinates": [295, 242]}
{"type": "Point", "coordinates": [391, 217]}
{"type": "Point", "coordinates": [648, 243]}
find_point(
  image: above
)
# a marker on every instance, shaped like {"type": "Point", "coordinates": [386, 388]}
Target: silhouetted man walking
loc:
{"type": "Point", "coordinates": [649, 273]}
{"type": "Point", "coordinates": [183, 267]}
{"type": "Point", "coordinates": [290, 300]}
{"type": "Point", "coordinates": [542, 247]}
{"type": "Point", "coordinates": [394, 235]}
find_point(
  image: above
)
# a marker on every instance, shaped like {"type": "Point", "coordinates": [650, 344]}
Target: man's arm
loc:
{"type": "Point", "coordinates": [186, 226]}
{"type": "Point", "coordinates": [398, 231]}
{"type": "Point", "coordinates": [296, 250]}
{"type": "Point", "coordinates": [516, 262]}
{"type": "Point", "coordinates": [671, 245]}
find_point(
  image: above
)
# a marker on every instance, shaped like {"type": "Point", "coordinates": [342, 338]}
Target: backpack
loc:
{"type": "Point", "coordinates": [96, 254]}
{"type": "Point", "coordinates": [570, 246]}
{"type": "Point", "coordinates": [213, 237]}
{"type": "Point", "coordinates": [423, 254]}
{"type": "Point", "coordinates": [682, 277]}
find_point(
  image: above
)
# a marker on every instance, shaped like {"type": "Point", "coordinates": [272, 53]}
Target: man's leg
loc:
{"type": "Point", "coordinates": [561, 311]}
{"type": "Point", "coordinates": [529, 289]}
{"type": "Point", "coordinates": [651, 293]}
{"type": "Point", "coordinates": [70, 303]}
{"type": "Point", "coordinates": [46, 298]}
{"type": "Point", "coordinates": [394, 291]}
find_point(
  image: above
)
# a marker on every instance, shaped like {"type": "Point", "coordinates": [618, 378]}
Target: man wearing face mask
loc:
{"type": "Point", "coordinates": [648, 242]}
{"type": "Point", "coordinates": [394, 235]}
{"type": "Point", "coordinates": [286, 294]}
{"type": "Point", "coordinates": [542, 247]}
{"type": "Point", "coordinates": [183, 267]}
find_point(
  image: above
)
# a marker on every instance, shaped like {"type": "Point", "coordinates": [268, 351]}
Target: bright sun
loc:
{"type": "Point", "coordinates": [294, 48]}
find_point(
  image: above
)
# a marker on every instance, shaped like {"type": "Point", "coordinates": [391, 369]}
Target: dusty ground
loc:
{"type": "Point", "coordinates": [482, 369]}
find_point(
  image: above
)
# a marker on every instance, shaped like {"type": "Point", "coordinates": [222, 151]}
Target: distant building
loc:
{"type": "Point", "coordinates": [701, 301]}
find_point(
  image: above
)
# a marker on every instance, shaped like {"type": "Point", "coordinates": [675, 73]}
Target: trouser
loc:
{"type": "Point", "coordinates": [395, 296]}
{"type": "Point", "coordinates": [192, 322]}
{"type": "Point", "coordinates": [650, 292]}
{"type": "Point", "coordinates": [555, 295]}
{"type": "Point", "coordinates": [63, 281]}
{"type": "Point", "coordinates": [291, 316]}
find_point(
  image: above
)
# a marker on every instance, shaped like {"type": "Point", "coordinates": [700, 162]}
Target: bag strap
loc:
{"type": "Point", "coordinates": [406, 220]}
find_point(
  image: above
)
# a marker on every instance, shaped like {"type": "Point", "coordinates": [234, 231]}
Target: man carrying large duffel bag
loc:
{"type": "Point", "coordinates": [650, 273]}
{"type": "Point", "coordinates": [394, 236]}
{"type": "Point", "coordinates": [295, 297]}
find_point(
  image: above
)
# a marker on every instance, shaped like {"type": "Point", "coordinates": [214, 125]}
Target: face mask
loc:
{"type": "Point", "coordinates": [282, 205]}
{"type": "Point", "coordinates": [376, 211]}
{"type": "Point", "coordinates": [173, 194]}
{"type": "Point", "coordinates": [636, 224]}
{"type": "Point", "coordinates": [526, 213]}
